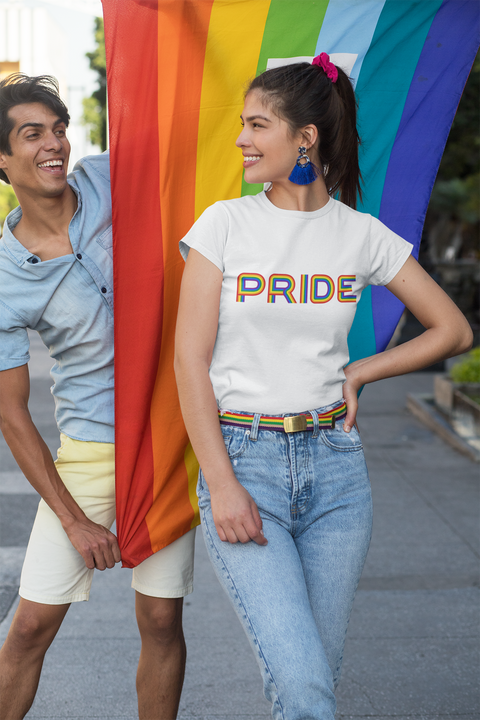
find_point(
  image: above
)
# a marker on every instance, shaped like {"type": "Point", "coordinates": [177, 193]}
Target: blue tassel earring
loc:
{"type": "Point", "coordinates": [304, 171]}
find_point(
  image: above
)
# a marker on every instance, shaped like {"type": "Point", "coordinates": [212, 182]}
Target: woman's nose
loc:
{"type": "Point", "coordinates": [241, 139]}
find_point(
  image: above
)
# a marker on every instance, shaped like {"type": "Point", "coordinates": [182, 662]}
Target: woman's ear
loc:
{"type": "Point", "coordinates": [309, 135]}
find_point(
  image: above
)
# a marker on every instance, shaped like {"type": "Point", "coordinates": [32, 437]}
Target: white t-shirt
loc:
{"type": "Point", "coordinates": [291, 284]}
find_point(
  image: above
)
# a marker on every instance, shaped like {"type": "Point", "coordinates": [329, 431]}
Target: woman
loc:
{"type": "Point", "coordinates": [269, 293]}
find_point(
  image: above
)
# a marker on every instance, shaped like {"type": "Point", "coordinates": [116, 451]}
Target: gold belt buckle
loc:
{"type": "Point", "coordinates": [295, 423]}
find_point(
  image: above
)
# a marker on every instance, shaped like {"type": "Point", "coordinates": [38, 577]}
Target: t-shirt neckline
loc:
{"type": "Point", "coordinates": [304, 215]}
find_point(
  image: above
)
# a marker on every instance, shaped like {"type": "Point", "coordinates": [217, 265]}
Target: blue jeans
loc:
{"type": "Point", "coordinates": [294, 596]}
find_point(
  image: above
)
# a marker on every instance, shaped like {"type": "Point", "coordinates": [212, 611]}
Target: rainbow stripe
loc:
{"type": "Point", "coordinates": [344, 288]}
{"type": "Point", "coordinates": [315, 294]}
{"type": "Point", "coordinates": [244, 289]}
{"type": "Point", "coordinates": [304, 289]}
{"type": "Point", "coordinates": [176, 72]}
{"type": "Point", "coordinates": [281, 285]}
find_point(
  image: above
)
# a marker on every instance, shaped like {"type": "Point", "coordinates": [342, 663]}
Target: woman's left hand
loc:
{"type": "Point", "coordinates": [447, 333]}
{"type": "Point", "coordinates": [350, 394]}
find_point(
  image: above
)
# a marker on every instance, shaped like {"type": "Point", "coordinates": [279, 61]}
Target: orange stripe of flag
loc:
{"type": "Point", "coordinates": [182, 38]}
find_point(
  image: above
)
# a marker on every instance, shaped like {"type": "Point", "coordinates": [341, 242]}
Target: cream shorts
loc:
{"type": "Point", "coordinates": [54, 573]}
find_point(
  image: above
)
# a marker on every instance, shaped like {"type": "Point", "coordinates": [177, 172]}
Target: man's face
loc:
{"type": "Point", "coordinates": [40, 152]}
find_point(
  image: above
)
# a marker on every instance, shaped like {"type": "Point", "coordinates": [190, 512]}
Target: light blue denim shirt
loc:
{"type": "Point", "coordinates": [69, 301]}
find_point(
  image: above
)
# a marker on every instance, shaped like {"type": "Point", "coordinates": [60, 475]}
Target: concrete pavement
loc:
{"type": "Point", "coordinates": [412, 648]}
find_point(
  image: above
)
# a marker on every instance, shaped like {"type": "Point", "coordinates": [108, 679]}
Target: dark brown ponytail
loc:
{"type": "Point", "coordinates": [302, 94]}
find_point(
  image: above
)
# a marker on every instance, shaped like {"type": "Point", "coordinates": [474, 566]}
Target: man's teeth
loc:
{"type": "Point", "coordinates": [51, 163]}
{"type": "Point", "coordinates": [251, 158]}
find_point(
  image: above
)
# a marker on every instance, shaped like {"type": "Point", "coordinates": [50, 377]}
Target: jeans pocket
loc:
{"type": "Point", "coordinates": [342, 441]}
{"type": "Point", "coordinates": [203, 493]}
{"type": "Point", "coordinates": [236, 440]}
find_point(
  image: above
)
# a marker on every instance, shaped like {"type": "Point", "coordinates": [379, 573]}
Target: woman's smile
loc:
{"type": "Point", "coordinates": [250, 160]}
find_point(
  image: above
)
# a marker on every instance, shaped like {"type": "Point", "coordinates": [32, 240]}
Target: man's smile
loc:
{"type": "Point", "coordinates": [52, 166]}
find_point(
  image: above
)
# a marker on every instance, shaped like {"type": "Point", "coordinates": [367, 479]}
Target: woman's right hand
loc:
{"type": "Point", "coordinates": [236, 515]}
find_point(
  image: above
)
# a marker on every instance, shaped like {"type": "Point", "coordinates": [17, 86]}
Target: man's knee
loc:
{"type": "Point", "coordinates": [159, 619]}
{"type": "Point", "coordinates": [34, 626]}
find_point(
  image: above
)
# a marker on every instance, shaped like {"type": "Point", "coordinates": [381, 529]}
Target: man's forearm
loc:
{"type": "Point", "coordinates": [97, 545]}
{"type": "Point", "coordinates": [35, 461]}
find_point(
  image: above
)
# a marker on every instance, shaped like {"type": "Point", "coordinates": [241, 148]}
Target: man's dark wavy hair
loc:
{"type": "Point", "coordinates": [18, 89]}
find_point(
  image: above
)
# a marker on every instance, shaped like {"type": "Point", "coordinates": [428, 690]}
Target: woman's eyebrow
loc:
{"type": "Point", "coordinates": [256, 117]}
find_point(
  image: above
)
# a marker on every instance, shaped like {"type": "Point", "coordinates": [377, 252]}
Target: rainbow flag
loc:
{"type": "Point", "coordinates": [176, 73]}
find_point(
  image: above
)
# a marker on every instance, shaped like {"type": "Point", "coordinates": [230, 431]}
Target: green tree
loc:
{"type": "Point", "coordinates": [8, 201]}
{"type": "Point", "coordinates": [461, 158]}
{"type": "Point", "coordinates": [453, 219]}
{"type": "Point", "coordinates": [95, 106]}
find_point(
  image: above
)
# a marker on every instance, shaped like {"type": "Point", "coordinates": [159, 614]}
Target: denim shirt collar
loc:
{"type": "Point", "coordinates": [18, 252]}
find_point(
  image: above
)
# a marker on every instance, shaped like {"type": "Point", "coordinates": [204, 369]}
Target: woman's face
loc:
{"type": "Point", "coordinates": [268, 148]}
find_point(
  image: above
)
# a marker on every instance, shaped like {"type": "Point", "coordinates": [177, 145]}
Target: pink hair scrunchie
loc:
{"type": "Point", "coordinates": [328, 67]}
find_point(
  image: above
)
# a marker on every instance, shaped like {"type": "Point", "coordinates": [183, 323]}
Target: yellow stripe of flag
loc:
{"type": "Point", "coordinates": [233, 48]}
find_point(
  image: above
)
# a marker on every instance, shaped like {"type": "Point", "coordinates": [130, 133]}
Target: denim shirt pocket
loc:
{"type": "Point", "coordinates": [342, 441]}
{"type": "Point", "coordinates": [106, 240]}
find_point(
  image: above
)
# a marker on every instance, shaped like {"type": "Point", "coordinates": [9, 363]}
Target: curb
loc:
{"type": "Point", "coordinates": [421, 405]}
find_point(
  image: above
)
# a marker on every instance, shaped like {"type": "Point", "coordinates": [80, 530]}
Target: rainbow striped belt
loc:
{"type": "Point", "coordinates": [290, 424]}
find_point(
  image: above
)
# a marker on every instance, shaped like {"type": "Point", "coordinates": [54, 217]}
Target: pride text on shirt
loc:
{"type": "Point", "coordinates": [316, 289]}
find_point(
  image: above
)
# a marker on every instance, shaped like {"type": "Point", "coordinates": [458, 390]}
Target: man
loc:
{"type": "Point", "coordinates": [56, 278]}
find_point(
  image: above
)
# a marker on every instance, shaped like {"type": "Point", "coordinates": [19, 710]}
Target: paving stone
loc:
{"type": "Point", "coordinates": [412, 676]}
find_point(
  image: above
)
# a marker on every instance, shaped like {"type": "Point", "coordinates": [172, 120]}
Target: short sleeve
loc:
{"type": "Point", "coordinates": [388, 253]}
{"type": "Point", "coordinates": [14, 342]}
{"type": "Point", "coordinates": [208, 235]}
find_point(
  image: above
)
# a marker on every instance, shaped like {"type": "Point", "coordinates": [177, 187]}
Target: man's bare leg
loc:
{"type": "Point", "coordinates": [161, 667]}
{"type": "Point", "coordinates": [21, 657]}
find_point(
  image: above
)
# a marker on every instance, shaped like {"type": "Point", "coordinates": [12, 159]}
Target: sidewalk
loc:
{"type": "Point", "coordinates": [412, 648]}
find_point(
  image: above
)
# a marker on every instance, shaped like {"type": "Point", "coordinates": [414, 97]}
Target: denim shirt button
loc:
{"type": "Point", "coordinates": [104, 289]}
{"type": "Point", "coordinates": [79, 256]}
{"type": "Point", "coordinates": [34, 261]}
